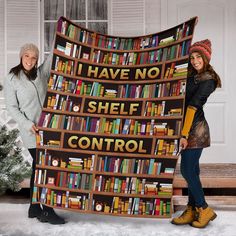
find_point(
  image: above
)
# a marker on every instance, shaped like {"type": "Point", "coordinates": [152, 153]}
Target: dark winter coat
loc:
{"type": "Point", "coordinates": [199, 88]}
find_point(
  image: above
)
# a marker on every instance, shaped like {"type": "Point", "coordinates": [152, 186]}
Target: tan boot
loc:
{"type": "Point", "coordinates": [187, 217]}
{"type": "Point", "coordinates": [204, 217]}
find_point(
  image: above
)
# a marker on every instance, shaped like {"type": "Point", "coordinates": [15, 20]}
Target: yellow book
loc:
{"type": "Point", "coordinates": [89, 163]}
{"type": "Point", "coordinates": [149, 109]}
{"type": "Point", "coordinates": [110, 127]}
{"type": "Point", "coordinates": [50, 82]}
{"type": "Point", "coordinates": [164, 209]}
{"type": "Point", "coordinates": [148, 129]}
{"type": "Point", "coordinates": [63, 200]}
{"type": "Point", "coordinates": [154, 170]}
{"type": "Point", "coordinates": [63, 107]}
{"type": "Point", "coordinates": [139, 129]}
{"type": "Point", "coordinates": [106, 186]}
{"type": "Point", "coordinates": [53, 102]}
{"type": "Point", "coordinates": [170, 132]}
{"type": "Point", "coordinates": [49, 102]}
{"type": "Point", "coordinates": [54, 142]}
{"type": "Point", "coordinates": [59, 66]}
{"type": "Point", "coordinates": [101, 91]}
{"type": "Point", "coordinates": [85, 163]}
{"type": "Point", "coordinates": [38, 139]}
{"type": "Point", "coordinates": [122, 207]}
{"type": "Point", "coordinates": [131, 130]}
{"type": "Point", "coordinates": [43, 160]}
{"type": "Point", "coordinates": [167, 73]}
{"type": "Point", "coordinates": [160, 146]}
{"type": "Point", "coordinates": [159, 109]}
{"type": "Point", "coordinates": [143, 208]}
{"type": "Point", "coordinates": [106, 209]}
{"type": "Point", "coordinates": [155, 110]}
{"type": "Point", "coordinates": [48, 197]}
{"type": "Point", "coordinates": [116, 204]}
{"type": "Point", "coordinates": [172, 148]}
{"type": "Point", "coordinates": [167, 148]}
{"type": "Point", "coordinates": [112, 183]}
{"type": "Point", "coordinates": [126, 207]}
{"type": "Point", "coordinates": [55, 199]}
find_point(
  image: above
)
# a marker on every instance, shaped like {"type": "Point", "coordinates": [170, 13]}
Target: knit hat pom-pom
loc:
{"type": "Point", "coordinates": [203, 47]}
{"type": "Point", "coordinates": [31, 47]}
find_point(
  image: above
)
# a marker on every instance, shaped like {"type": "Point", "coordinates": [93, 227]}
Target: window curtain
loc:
{"type": "Point", "coordinates": [75, 9]}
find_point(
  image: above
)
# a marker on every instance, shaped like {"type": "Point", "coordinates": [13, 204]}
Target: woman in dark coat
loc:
{"type": "Point", "coordinates": [202, 81]}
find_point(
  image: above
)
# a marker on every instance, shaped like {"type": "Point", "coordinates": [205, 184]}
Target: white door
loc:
{"type": "Point", "coordinates": [217, 21]}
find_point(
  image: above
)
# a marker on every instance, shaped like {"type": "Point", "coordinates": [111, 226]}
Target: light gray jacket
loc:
{"type": "Point", "coordinates": [24, 99]}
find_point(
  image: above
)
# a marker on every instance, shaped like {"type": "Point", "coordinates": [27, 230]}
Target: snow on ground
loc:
{"type": "Point", "coordinates": [14, 222]}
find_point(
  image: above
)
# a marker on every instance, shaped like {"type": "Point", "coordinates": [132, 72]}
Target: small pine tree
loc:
{"type": "Point", "coordinates": [13, 167]}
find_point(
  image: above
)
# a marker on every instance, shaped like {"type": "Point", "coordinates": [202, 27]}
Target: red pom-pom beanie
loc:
{"type": "Point", "coordinates": [203, 47]}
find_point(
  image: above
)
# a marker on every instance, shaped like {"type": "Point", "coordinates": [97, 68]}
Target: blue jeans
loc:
{"type": "Point", "coordinates": [190, 171]}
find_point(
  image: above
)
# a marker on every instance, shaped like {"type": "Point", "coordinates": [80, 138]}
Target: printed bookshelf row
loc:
{"type": "Point", "coordinates": [114, 205]}
{"type": "Point", "coordinates": [103, 183]}
{"type": "Point", "coordinates": [83, 35]}
{"type": "Point", "coordinates": [46, 158]}
{"type": "Point", "coordinates": [159, 106]}
{"type": "Point", "coordinates": [162, 108]}
{"type": "Point", "coordinates": [63, 179]}
{"type": "Point", "coordinates": [105, 164]}
{"type": "Point", "coordinates": [85, 162]}
{"type": "Point", "coordinates": [59, 198]}
{"type": "Point", "coordinates": [114, 73]}
{"type": "Point", "coordinates": [132, 206]}
{"type": "Point", "coordinates": [64, 65]}
{"type": "Point", "coordinates": [131, 185]}
{"type": "Point", "coordinates": [105, 125]}
{"type": "Point", "coordinates": [135, 58]}
{"type": "Point", "coordinates": [133, 166]}
{"type": "Point", "coordinates": [123, 58]}
{"type": "Point", "coordinates": [107, 90]}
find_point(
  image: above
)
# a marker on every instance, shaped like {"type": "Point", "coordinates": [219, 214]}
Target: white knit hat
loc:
{"type": "Point", "coordinates": [31, 47]}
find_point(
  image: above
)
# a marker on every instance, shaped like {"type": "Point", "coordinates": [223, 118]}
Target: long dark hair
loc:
{"type": "Point", "coordinates": [31, 75]}
{"type": "Point", "coordinates": [206, 68]}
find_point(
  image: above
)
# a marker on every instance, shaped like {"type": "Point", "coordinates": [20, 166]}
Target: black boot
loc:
{"type": "Point", "coordinates": [49, 215]}
{"type": "Point", "coordinates": [34, 210]}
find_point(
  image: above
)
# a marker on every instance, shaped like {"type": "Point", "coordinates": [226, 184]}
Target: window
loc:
{"type": "Point", "coordinates": [92, 14]}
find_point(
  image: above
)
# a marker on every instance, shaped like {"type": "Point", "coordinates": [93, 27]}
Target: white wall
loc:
{"type": "Point", "coordinates": [217, 22]}
{"type": "Point", "coordinates": [20, 23]}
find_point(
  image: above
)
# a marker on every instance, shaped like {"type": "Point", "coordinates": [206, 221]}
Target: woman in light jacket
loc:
{"type": "Point", "coordinates": [25, 89]}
